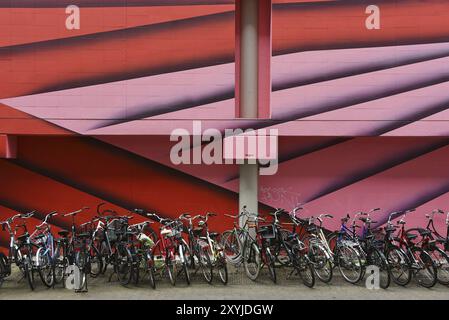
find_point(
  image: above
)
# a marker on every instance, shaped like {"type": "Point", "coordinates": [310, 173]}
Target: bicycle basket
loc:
{"type": "Point", "coordinates": [267, 232]}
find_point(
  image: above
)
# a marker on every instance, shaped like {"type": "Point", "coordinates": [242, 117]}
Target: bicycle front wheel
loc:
{"type": "Point", "coordinates": [45, 267]}
{"type": "Point", "coordinates": [231, 247]}
{"type": "Point", "coordinates": [252, 260]}
{"type": "Point", "coordinates": [124, 265]}
{"type": "Point", "coordinates": [206, 264]}
{"type": "Point", "coordinates": [349, 263]}
{"type": "Point", "coordinates": [399, 265]}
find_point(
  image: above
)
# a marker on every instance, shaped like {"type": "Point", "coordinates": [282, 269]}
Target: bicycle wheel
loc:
{"type": "Point", "coordinates": [231, 246]}
{"type": "Point", "coordinates": [399, 265]}
{"type": "Point", "coordinates": [270, 262]}
{"type": "Point", "coordinates": [45, 267]}
{"type": "Point", "coordinates": [184, 252]}
{"type": "Point", "coordinates": [280, 252]}
{"type": "Point", "coordinates": [252, 260]}
{"type": "Point", "coordinates": [303, 266]}
{"type": "Point", "coordinates": [170, 265]}
{"type": "Point", "coordinates": [349, 263]}
{"type": "Point", "coordinates": [320, 258]}
{"type": "Point", "coordinates": [28, 270]}
{"type": "Point", "coordinates": [3, 268]}
{"type": "Point", "coordinates": [104, 252]}
{"type": "Point", "coordinates": [149, 268]}
{"type": "Point", "coordinates": [441, 260]}
{"type": "Point", "coordinates": [61, 263]}
{"type": "Point", "coordinates": [206, 264]}
{"type": "Point", "coordinates": [377, 258]}
{"type": "Point", "coordinates": [124, 265]}
{"type": "Point", "coordinates": [96, 262]}
{"type": "Point", "coordinates": [426, 273]}
{"type": "Point", "coordinates": [221, 265]}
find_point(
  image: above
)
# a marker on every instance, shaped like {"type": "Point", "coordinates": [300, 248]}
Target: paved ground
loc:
{"type": "Point", "coordinates": [239, 287]}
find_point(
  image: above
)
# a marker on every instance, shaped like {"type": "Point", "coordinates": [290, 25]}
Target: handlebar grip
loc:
{"type": "Point", "coordinates": [139, 211]}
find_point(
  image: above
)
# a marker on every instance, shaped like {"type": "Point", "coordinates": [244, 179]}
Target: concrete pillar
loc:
{"type": "Point", "coordinates": [249, 58]}
{"type": "Point", "coordinates": [253, 82]}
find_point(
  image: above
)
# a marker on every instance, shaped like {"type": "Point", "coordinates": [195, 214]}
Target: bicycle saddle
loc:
{"type": "Point", "coordinates": [83, 235]}
{"type": "Point", "coordinates": [23, 237]}
{"type": "Point", "coordinates": [213, 234]}
{"type": "Point", "coordinates": [63, 233]}
{"type": "Point", "coordinates": [411, 236]}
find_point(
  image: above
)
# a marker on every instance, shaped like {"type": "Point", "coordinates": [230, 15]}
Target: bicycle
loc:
{"type": "Point", "coordinates": [241, 246]}
{"type": "Point", "coordinates": [142, 248]}
{"type": "Point", "coordinates": [171, 246]}
{"type": "Point", "coordinates": [15, 249]}
{"type": "Point", "coordinates": [320, 254]}
{"type": "Point", "coordinates": [420, 262]}
{"type": "Point", "coordinates": [294, 247]}
{"type": "Point", "coordinates": [211, 249]}
{"type": "Point", "coordinates": [45, 255]}
{"type": "Point", "coordinates": [349, 256]}
{"type": "Point", "coordinates": [196, 249]}
{"type": "Point", "coordinates": [373, 250]}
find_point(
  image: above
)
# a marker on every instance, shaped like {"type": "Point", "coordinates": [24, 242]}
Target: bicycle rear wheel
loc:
{"type": "Point", "coordinates": [303, 266]}
{"type": "Point", "coordinates": [441, 260]}
{"type": "Point", "coordinates": [377, 258]}
{"type": "Point", "coordinates": [399, 265]}
{"type": "Point", "coordinates": [426, 274]}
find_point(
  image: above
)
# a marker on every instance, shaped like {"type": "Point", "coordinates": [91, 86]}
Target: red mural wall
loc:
{"type": "Point", "coordinates": [360, 93]}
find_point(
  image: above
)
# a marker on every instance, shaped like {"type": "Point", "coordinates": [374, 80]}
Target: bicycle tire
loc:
{"type": "Point", "coordinates": [377, 258]}
{"type": "Point", "coordinates": [441, 259]}
{"type": "Point", "coordinates": [399, 264]}
{"type": "Point", "coordinates": [231, 247]}
{"type": "Point", "coordinates": [348, 258]}
{"type": "Point", "coordinates": [252, 260]}
{"type": "Point", "coordinates": [96, 261]}
{"type": "Point", "coordinates": [3, 268]}
{"type": "Point", "coordinates": [28, 270]}
{"type": "Point", "coordinates": [45, 268]}
{"type": "Point", "coordinates": [124, 265]}
{"type": "Point", "coordinates": [184, 252]}
{"type": "Point", "coordinates": [170, 265]}
{"type": "Point", "coordinates": [303, 266]}
{"type": "Point", "coordinates": [430, 270]}
{"type": "Point", "coordinates": [270, 262]}
{"type": "Point", "coordinates": [319, 257]}
{"type": "Point", "coordinates": [206, 264]}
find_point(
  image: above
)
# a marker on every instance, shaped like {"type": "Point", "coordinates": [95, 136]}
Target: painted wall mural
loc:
{"type": "Point", "coordinates": [360, 96]}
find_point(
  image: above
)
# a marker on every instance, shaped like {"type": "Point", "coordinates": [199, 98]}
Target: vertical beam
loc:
{"type": "Point", "coordinates": [8, 146]}
{"type": "Point", "coordinates": [248, 188]}
{"type": "Point", "coordinates": [253, 49]}
{"type": "Point", "coordinates": [253, 82]}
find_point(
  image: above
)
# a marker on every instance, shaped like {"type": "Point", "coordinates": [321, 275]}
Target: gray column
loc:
{"type": "Point", "coordinates": [249, 172]}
